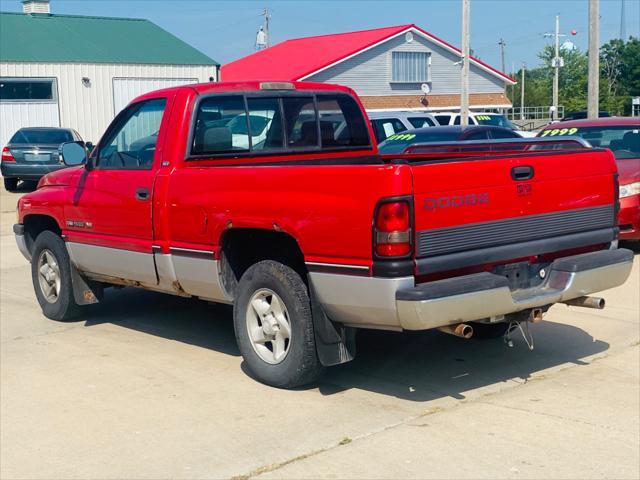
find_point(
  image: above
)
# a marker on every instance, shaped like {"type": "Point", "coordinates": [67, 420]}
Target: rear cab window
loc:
{"type": "Point", "coordinates": [255, 124]}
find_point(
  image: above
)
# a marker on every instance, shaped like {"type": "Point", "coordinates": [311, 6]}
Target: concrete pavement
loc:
{"type": "Point", "coordinates": [151, 386]}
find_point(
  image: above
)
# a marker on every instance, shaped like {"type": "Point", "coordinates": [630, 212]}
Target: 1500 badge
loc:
{"type": "Point", "coordinates": [454, 201]}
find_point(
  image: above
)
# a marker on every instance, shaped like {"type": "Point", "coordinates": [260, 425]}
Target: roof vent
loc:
{"type": "Point", "coordinates": [36, 6]}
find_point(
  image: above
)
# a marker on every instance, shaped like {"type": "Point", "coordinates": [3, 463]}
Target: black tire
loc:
{"type": "Point", "coordinates": [300, 366]}
{"type": "Point", "coordinates": [10, 184]}
{"type": "Point", "coordinates": [64, 307]}
{"type": "Point", "coordinates": [487, 331]}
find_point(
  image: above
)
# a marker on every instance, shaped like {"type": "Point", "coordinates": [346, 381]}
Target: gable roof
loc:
{"type": "Point", "coordinates": [73, 38]}
{"type": "Point", "coordinates": [300, 58]}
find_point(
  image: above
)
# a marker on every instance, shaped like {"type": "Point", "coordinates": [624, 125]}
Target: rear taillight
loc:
{"type": "Point", "coordinates": [6, 155]}
{"type": "Point", "coordinates": [392, 229]}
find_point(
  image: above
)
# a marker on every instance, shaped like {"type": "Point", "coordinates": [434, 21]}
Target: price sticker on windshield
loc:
{"type": "Point", "coordinates": [483, 117]}
{"type": "Point", "coordinates": [402, 136]}
{"type": "Point", "coordinates": [559, 131]}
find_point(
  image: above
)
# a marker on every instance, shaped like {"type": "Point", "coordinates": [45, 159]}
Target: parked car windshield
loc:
{"type": "Point", "coordinates": [397, 143]}
{"type": "Point", "coordinates": [496, 120]}
{"type": "Point", "coordinates": [53, 137]}
{"type": "Point", "coordinates": [624, 141]}
{"type": "Point", "coordinates": [420, 122]}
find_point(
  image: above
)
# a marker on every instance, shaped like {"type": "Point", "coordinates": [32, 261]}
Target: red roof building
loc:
{"type": "Point", "coordinates": [386, 66]}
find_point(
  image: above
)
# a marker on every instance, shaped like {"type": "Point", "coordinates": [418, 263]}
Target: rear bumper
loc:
{"type": "Point", "coordinates": [399, 304]}
{"type": "Point", "coordinates": [26, 171]}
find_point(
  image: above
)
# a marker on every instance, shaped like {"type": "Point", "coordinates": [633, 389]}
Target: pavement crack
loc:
{"type": "Point", "coordinates": [344, 441]}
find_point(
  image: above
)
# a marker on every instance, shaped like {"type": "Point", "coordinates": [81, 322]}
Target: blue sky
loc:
{"type": "Point", "coordinates": [225, 30]}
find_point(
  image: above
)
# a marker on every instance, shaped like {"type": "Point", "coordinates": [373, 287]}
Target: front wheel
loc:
{"type": "Point", "coordinates": [273, 326]}
{"type": "Point", "coordinates": [51, 275]}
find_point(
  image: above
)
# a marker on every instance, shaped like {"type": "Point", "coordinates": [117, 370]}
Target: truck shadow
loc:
{"type": "Point", "coordinates": [416, 366]}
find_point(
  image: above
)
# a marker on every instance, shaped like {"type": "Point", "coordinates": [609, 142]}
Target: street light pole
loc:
{"type": "Point", "coordinates": [464, 87]}
{"type": "Point", "coordinates": [594, 60]}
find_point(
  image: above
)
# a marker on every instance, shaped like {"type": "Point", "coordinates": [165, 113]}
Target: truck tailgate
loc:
{"type": "Point", "coordinates": [495, 209]}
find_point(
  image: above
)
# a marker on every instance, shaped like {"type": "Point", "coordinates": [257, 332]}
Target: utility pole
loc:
{"type": "Point", "coordinates": [556, 63]}
{"type": "Point", "coordinates": [623, 32]}
{"type": "Point", "coordinates": [267, 17]}
{"type": "Point", "coordinates": [594, 60]}
{"type": "Point", "coordinates": [464, 81]}
{"type": "Point", "coordinates": [524, 66]}
{"type": "Point", "coordinates": [503, 44]}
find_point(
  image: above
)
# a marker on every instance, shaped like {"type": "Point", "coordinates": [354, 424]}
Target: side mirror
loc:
{"type": "Point", "coordinates": [73, 153]}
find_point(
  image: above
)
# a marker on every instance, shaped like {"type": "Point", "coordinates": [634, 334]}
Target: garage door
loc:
{"type": "Point", "coordinates": [126, 89]}
{"type": "Point", "coordinates": [27, 102]}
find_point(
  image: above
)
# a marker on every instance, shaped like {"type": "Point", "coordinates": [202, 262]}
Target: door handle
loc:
{"type": "Point", "coordinates": [142, 194]}
{"type": "Point", "coordinates": [524, 172]}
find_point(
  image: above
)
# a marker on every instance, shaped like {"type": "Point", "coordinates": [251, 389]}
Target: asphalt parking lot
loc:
{"type": "Point", "coordinates": [152, 386]}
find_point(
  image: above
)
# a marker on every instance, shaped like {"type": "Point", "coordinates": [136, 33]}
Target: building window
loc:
{"type": "Point", "coordinates": [410, 67]}
{"type": "Point", "coordinates": [27, 90]}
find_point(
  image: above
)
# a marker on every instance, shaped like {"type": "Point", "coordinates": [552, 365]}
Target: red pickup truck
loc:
{"type": "Point", "coordinates": [272, 197]}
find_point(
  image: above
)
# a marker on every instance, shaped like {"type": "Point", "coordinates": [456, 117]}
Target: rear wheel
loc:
{"type": "Point", "coordinates": [10, 184]}
{"type": "Point", "coordinates": [51, 275]}
{"type": "Point", "coordinates": [273, 326]}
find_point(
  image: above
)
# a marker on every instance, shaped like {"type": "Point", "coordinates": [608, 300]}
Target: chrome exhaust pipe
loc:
{"type": "Point", "coordinates": [536, 315]}
{"type": "Point", "coordinates": [587, 302]}
{"type": "Point", "coordinates": [461, 330]}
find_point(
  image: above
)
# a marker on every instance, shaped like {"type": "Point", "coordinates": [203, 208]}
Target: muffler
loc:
{"type": "Point", "coordinates": [587, 302]}
{"type": "Point", "coordinates": [461, 330]}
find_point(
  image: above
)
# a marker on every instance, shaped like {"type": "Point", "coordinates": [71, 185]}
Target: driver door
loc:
{"type": "Point", "coordinates": [110, 220]}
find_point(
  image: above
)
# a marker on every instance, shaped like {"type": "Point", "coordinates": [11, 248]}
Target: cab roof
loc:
{"type": "Point", "coordinates": [221, 87]}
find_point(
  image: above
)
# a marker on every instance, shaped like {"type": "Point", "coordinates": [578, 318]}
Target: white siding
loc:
{"type": "Point", "coordinates": [369, 73]}
{"type": "Point", "coordinates": [89, 109]}
{"type": "Point", "coordinates": [126, 89]}
{"type": "Point", "coordinates": [14, 116]}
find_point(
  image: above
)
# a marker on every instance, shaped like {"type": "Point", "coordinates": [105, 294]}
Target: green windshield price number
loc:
{"type": "Point", "coordinates": [402, 136]}
{"type": "Point", "coordinates": [483, 117]}
{"type": "Point", "coordinates": [559, 131]}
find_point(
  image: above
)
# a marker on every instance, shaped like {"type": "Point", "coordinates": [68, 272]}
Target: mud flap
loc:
{"type": "Point", "coordinates": [335, 343]}
{"type": "Point", "coordinates": [85, 291]}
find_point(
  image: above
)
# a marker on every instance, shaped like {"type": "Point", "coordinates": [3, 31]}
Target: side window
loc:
{"type": "Point", "coordinates": [481, 135]}
{"type": "Point", "coordinates": [384, 128]}
{"type": "Point", "coordinates": [265, 124]}
{"type": "Point", "coordinates": [443, 119]}
{"type": "Point", "coordinates": [222, 126]}
{"type": "Point", "coordinates": [504, 134]}
{"type": "Point", "coordinates": [301, 122]}
{"type": "Point", "coordinates": [421, 122]}
{"type": "Point", "coordinates": [341, 122]}
{"type": "Point", "coordinates": [131, 142]}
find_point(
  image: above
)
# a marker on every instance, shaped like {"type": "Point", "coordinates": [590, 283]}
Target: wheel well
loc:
{"type": "Point", "coordinates": [242, 247]}
{"type": "Point", "coordinates": [34, 225]}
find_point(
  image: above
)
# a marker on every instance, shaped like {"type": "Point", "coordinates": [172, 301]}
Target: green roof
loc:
{"type": "Point", "coordinates": [72, 38]}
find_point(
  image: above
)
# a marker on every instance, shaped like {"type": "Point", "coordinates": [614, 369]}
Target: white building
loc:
{"type": "Point", "coordinates": [78, 71]}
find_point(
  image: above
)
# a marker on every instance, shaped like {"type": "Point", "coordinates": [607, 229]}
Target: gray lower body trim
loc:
{"type": "Point", "coordinates": [114, 262]}
{"type": "Point", "coordinates": [22, 246]}
{"type": "Point", "coordinates": [363, 301]}
{"type": "Point", "coordinates": [196, 276]}
{"type": "Point", "coordinates": [371, 302]}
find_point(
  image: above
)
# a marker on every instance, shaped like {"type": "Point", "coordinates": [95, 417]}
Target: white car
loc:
{"type": "Point", "coordinates": [476, 118]}
{"type": "Point", "coordinates": [389, 123]}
